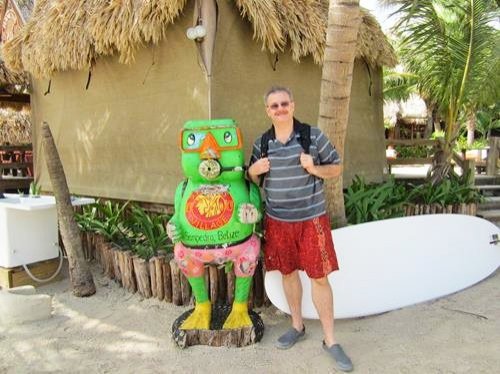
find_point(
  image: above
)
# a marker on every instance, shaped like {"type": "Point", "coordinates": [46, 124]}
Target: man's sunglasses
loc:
{"type": "Point", "coordinates": [284, 104]}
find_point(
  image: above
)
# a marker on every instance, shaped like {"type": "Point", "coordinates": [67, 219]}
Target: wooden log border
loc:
{"type": "Point", "coordinates": [421, 209]}
{"type": "Point", "coordinates": [161, 278]}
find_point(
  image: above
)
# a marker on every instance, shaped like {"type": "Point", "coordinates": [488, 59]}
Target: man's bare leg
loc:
{"type": "Point", "coordinates": [323, 301]}
{"type": "Point", "coordinates": [293, 293]}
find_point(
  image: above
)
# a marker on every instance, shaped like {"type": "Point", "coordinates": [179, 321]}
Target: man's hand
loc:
{"type": "Point", "coordinates": [261, 166]}
{"type": "Point", "coordinates": [320, 171]}
{"type": "Point", "coordinates": [307, 162]}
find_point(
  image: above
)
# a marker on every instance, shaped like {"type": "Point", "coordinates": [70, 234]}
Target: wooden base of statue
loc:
{"type": "Point", "coordinates": [216, 336]}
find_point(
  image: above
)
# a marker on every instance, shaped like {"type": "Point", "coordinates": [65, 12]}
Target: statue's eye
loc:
{"type": "Point", "coordinates": [228, 137]}
{"type": "Point", "coordinates": [191, 139]}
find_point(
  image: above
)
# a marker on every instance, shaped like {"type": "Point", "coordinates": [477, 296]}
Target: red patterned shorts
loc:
{"type": "Point", "coordinates": [306, 245]}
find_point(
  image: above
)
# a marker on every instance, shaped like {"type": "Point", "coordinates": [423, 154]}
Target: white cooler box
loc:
{"type": "Point", "coordinates": [28, 229]}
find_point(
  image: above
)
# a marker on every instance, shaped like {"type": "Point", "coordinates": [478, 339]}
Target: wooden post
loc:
{"type": "Point", "coordinates": [176, 283]}
{"type": "Point", "coordinates": [160, 287]}
{"type": "Point", "coordinates": [167, 279]}
{"type": "Point", "coordinates": [473, 209]}
{"type": "Point", "coordinates": [120, 261]}
{"type": "Point", "coordinates": [108, 261]}
{"type": "Point", "coordinates": [141, 268]}
{"type": "Point", "coordinates": [128, 271]}
{"type": "Point", "coordinates": [493, 154]}
{"type": "Point", "coordinates": [152, 276]}
{"type": "Point", "coordinates": [115, 257]}
{"type": "Point", "coordinates": [98, 245]}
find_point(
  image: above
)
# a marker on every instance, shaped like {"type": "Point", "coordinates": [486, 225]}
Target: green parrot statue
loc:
{"type": "Point", "coordinates": [215, 214]}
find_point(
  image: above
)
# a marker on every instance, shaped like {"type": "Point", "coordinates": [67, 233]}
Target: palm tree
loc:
{"type": "Point", "coordinates": [79, 271]}
{"type": "Point", "coordinates": [341, 36]}
{"type": "Point", "coordinates": [450, 46]}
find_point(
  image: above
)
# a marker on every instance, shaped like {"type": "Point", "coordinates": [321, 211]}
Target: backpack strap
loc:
{"type": "Point", "coordinates": [304, 131]}
{"type": "Point", "coordinates": [264, 141]}
{"type": "Point", "coordinates": [264, 147]}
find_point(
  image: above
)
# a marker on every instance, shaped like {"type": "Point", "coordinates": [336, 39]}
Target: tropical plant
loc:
{"type": "Point", "coordinates": [127, 226]}
{"type": "Point", "coordinates": [366, 202]}
{"type": "Point", "coordinates": [107, 219]}
{"type": "Point", "coordinates": [149, 232]}
{"type": "Point", "coordinates": [437, 135]}
{"type": "Point", "coordinates": [86, 218]}
{"type": "Point", "coordinates": [450, 46]}
{"type": "Point", "coordinates": [451, 190]}
{"type": "Point", "coordinates": [462, 144]}
{"type": "Point", "coordinates": [35, 189]}
{"type": "Point", "coordinates": [488, 119]}
{"type": "Point", "coordinates": [398, 86]}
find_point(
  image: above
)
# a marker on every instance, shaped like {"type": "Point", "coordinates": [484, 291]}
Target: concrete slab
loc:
{"type": "Point", "coordinates": [21, 304]}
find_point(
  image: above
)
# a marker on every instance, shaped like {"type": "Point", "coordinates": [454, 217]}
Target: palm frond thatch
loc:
{"type": "Point", "coordinates": [71, 34]}
{"type": "Point", "coordinates": [11, 78]}
{"type": "Point", "coordinates": [15, 127]}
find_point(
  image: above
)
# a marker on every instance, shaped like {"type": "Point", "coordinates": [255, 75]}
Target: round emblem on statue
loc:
{"type": "Point", "coordinates": [209, 208]}
{"type": "Point", "coordinates": [209, 169]}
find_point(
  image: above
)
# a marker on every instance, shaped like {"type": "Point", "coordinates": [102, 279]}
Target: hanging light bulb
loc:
{"type": "Point", "coordinates": [200, 31]}
{"type": "Point", "coordinates": [196, 33]}
{"type": "Point", "coordinates": [191, 33]}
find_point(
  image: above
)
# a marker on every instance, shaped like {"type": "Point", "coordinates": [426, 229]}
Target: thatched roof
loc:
{"type": "Point", "coordinates": [71, 34]}
{"type": "Point", "coordinates": [413, 110]}
{"type": "Point", "coordinates": [10, 78]}
{"type": "Point", "coordinates": [15, 127]}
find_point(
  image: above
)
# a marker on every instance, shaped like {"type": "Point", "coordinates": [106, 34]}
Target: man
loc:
{"type": "Point", "coordinates": [297, 229]}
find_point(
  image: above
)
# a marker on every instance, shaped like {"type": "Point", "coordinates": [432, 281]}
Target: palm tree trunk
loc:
{"type": "Point", "coordinates": [79, 271]}
{"type": "Point", "coordinates": [430, 119]}
{"type": "Point", "coordinates": [471, 128]}
{"type": "Point", "coordinates": [341, 36]}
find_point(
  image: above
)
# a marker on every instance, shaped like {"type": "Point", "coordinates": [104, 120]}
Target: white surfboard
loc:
{"type": "Point", "coordinates": [390, 264]}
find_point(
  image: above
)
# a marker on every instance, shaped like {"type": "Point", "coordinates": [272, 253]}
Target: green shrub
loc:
{"type": "Point", "coordinates": [452, 190]}
{"type": "Point", "coordinates": [461, 144]}
{"type": "Point", "coordinates": [418, 151]}
{"type": "Point", "coordinates": [127, 226]}
{"type": "Point", "coordinates": [149, 232]}
{"type": "Point", "coordinates": [365, 202]}
{"type": "Point", "coordinates": [107, 219]}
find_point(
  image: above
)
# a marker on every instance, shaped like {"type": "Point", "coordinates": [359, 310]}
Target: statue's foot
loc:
{"type": "Point", "coordinates": [200, 318]}
{"type": "Point", "coordinates": [238, 317]}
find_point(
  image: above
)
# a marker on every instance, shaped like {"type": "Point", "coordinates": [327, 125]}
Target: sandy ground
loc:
{"type": "Point", "coordinates": [115, 331]}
